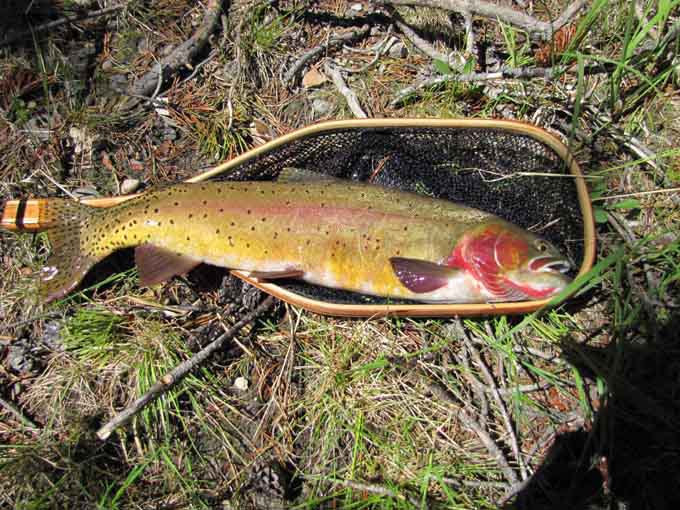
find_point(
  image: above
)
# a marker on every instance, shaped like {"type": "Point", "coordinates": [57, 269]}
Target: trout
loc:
{"type": "Point", "coordinates": [340, 234]}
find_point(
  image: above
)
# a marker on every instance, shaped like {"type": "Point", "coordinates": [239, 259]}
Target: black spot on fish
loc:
{"type": "Point", "coordinates": [205, 202]}
{"type": "Point", "coordinates": [233, 224]}
{"type": "Point", "coordinates": [249, 211]}
{"type": "Point", "coordinates": [247, 245]}
{"type": "Point", "coordinates": [172, 222]}
{"type": "Point", "coordinates": [264, 219]}
{"type": "Point", "coordinates": [221, 209]}
{"type": "Point", "coordinates": [217, 231]}
{"type": "Point", "coordinates": [156, 210]}
{"type": "Point", "coordinates": [252, 229]}
{"type": "Point", "coordinates": [176, 204]}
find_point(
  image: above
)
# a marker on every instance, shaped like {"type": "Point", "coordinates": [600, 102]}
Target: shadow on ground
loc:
{"type": "Point", "coordinates": [630, 458]}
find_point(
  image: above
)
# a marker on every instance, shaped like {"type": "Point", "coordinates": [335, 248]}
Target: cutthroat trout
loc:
{"type": "Point", "coordinates": [339, 234]}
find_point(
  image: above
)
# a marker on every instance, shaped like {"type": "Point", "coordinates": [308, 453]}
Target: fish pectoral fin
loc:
{"type": "Point", "coordinates": [277, 275]}
{"type": "Point", "coordinates": [290, 174]}
{"type": "Point", "coordinates": [421, 276]}
{"type": "Point", "coordinates": [157, 265]}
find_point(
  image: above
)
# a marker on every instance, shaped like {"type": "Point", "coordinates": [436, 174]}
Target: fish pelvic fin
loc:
{"type": "Point", "coordinates": [421, 276]}
{"type": "Point", "coordinates": [71, 258]}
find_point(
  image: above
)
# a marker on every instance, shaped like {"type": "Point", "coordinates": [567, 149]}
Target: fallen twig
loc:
{"type": "Point", "coordinates": [180, 371]}
{"type": "Point", "coordinates": [62, 21]}
{"type": "Point", "coordinates": [14, 410]}
{"type": "Point", "coordinates": [381, 48]}
{"type": "Point", "coordinates": [420, 43]}
{"type": "Point", "coordinates": [502, 74]}
{"type": "Point", "coordinates": [315, 54]}
{"type": "Point", "coordinates": [540, 29]}
{"type": "Point", "coordinates": [180, 56]}
{"type": "Point", "coordinates": [442, 393]}
{"type": "Point", "coordinates": [348, 93]}
{"type": "Point", "coordinates": [376, 489]}
{"type": "Point", "coordinates": [509, 426]}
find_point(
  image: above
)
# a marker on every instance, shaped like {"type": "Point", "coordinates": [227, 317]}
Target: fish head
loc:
{"type": "Point", "coordinates": [511, 263]}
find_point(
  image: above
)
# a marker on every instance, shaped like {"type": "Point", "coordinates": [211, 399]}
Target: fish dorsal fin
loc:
{"type": "Point", "coordinates": [421, 276]}
{"type": "Point", "coordinates": [290, 174]}
{"type": "Point", "coordinates": [158, 264]}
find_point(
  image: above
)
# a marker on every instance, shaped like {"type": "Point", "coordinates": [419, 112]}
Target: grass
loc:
{"type": "Point", "coordinates": [328, 411]}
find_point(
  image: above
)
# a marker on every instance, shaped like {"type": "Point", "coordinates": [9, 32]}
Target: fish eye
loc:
{"type": "Point", "coordinates": [541, 246]}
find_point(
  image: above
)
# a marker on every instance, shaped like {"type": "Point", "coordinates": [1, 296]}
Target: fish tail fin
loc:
{"type": "Point", "coordinates": [67, 223]}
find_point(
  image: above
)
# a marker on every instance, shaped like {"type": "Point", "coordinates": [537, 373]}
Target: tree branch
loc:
{"type": "Point", "coordinates": [315, 54]}
{"type": "Point", "coordinates": [537, 28]}
{"type": "Point", "coordinates": [180, 56]}
{"type": "Point", "coordinates": [180, 371]}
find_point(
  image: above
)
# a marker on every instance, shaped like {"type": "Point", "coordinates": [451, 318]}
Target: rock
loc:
{"type": "Point", "coordinates": [118, 83]}
{"type": "Point", "coordinates": [129, 186]}
{"type": "Point", "coordinates": [107, 65]}
{"type": "Point", "coordinates": [142, 45]}
{"type": "Point", "coordinates": [169, 134]}
{"type": "Point", "coordinates": [241, 384]}
{"type": "Point", "coordinates": [356, 7]}
{"type": "Point", "coordinates": [17, 357]}
{"type": "Point", "coordinates": [52, 335]}
{"type": "Point", "coordinates": [321, 107]}
{"type": "Point", "coordinates": [398, 50]}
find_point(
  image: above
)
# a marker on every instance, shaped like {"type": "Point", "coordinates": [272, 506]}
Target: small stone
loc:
{"type": "Point", "coordinates": [398, 50]}
{"type": "Point", "coordinates": [142, 45]}
{"type": "Point", "coordinates": [52, 335]}
{"type": "Point", "coordinates": [241, 384]}
{"type": "Point", "coordinates": [129, 186]}
{"type": "Point", "coordinates": [107, 65]}
{"type": "Point", "coordinates": [321, 107]}
{"type": "Point", "coordinates": [17, 358]}
{"type": "Point", "coordinates": [357, 7]}
{"type": "Point", "coordinates": [169, 134]}
{"type": "Point", "coordinates": [118, 83]}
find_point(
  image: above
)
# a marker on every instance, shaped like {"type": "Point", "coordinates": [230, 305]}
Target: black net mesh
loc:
{"type": "Point", "coordinates": [479, 167]}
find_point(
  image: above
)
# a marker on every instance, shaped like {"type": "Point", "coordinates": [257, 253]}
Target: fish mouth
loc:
{"type": "Point", "coordinates": [545, 264]}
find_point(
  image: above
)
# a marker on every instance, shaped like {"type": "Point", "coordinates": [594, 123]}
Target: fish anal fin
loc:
{"type": "Point", "coordinates": [277, 275]}
{"type": "Point", "coordinates": [290, 174]}
{"type": "Point", "coordinates": [421, 276]}
{"type": "Point", "coordinates": [157, 264]}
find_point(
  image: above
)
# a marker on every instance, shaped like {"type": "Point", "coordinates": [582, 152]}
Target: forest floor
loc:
{"type": "Point", "coordinates": [576, 407]}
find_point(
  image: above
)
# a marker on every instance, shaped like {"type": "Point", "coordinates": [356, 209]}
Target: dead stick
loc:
{"type": "Point", "coordinates": [502, 74]}
{"type": "Point", "coordinates": [420, 43]}
{"type": "Point", "coordinates": [180, 371]}
{"type": "Point", "coordinates": [180, 56]}
{"type": "Point", "coordinates": [25, 421]}
{"type": "Point", "coordinates": [486, 373]}
{"type": "Point", "coordinates": [343, 88]}
{"type": "Point", "coordinates": [376, 489]}
{"type": "Point", "coordinates": [541, 29]}
{"type": "Point", "coordinates": [316, 53]}
{"type": "Point", "coordinates": [62, 21]}
{"type": "Point", "coordinates": [442, 393]}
